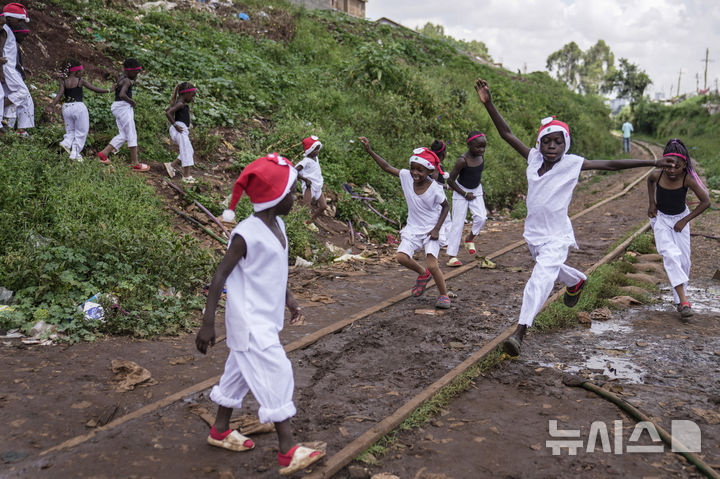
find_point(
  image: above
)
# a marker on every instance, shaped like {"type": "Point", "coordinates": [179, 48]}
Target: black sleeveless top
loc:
{"type": "Point", "coordinates": [73, 94]}
{"type": "Point", "coordinates": [183, 115]}
{"type": "Point", "coordinates": [671, 202]}
{"type": "Point", "coordinates": [117, 92]}
{"type": "Point", "coordinates": [470, 176]}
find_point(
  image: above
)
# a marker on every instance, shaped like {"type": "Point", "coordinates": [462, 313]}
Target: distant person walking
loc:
{"type": "Point", "coordinates": [627, 128]}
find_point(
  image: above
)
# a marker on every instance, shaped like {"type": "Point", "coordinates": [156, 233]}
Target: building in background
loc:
{"type": "Point", "coordinates": [356, 8]}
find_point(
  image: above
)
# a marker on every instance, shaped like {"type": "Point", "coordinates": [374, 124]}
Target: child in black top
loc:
{"type": "Point", "coordinates": [178, 114]}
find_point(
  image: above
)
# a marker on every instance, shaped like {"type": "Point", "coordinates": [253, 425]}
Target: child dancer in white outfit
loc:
{"type": "Point", "coordinates": [552, 175]}
{"type": "Point", "coordinates": [427, 209]}
{"type": "Point", "coordinates": [15, 91]}
{"type": "Point", "coordinates": [74, 111]}
{"type": "Point", "coordinates": [311, 176]}
{"type": "Point", "coordinates": [465, 180]}
{"type": "Point", "coordinates": [670, 217]}
{"type": "Point", "coordinates": [255, 271]}
{"type": "Point", "coordinates": [178, 114]}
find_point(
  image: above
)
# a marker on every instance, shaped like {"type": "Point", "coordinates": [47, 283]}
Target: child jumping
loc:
{"type": "Point", "coordinates": [74, 111]}
{"type": "Point", "coordinates": [255, 272]}
{"type": "Point", "coordinates": [551, 175]}
{"type": "Point", "coordinates": [123, 108]}
{"type": "Point", "coordinates": [312, 181]}
{"type": "Point", "coordinates": [178, 114]}
{"type": "Point", "coordinates": [15, 91]}
{"type": "Point", "coordinates": [465, 179]}
{"type": "Point", "coordinates": [670, 217]}
{"type": "Point", "coordinates": [427, 209]}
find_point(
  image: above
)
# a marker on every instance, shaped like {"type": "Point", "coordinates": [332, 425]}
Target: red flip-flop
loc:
{"type": "Point", "coordinates": [103, 158]}
{"type": "Point", "coordinates": [140, 167]}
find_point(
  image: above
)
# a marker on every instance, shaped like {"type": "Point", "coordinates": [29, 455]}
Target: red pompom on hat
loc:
{"type": "Point", "coordinates": [427, 158]}
{"type": "Point", "coordinates": [266, 181]}
{"type": "Point", "coordinates": [15, 10]}
{"type": "Point", "coordinates": [310, 143]}
{"type": "Point", "coordinates": [551, 125]}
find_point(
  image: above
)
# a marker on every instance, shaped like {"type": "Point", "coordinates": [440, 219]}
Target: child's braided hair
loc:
{"type": "Point", "coordinates": [66, 65]}
{"type": "Point", "coordinates": [676, 148]}
{"type": "Point", "coordinates": [186, 85]}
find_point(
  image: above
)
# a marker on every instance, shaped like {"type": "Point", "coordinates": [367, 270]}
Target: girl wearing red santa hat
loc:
{"type": "Point", "coordinates": [551, 175]}
{"type": "Point", "coordinates": [15, 91]}
{"type": "Point", "coordinates": [465, 179]}
{"type": "Point", "coordinates": [255, 272]}
{"type": "Point", "coordinates": [427, 210]}
{"type": "Point", "coordinates": [311, 176]}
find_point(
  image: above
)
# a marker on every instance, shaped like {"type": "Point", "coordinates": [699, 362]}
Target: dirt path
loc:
{"type": "Point", "coordinates": [344, 383]}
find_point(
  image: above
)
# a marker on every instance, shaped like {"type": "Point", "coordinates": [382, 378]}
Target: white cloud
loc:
{"type": "Point", "coordinates": [660, 36]}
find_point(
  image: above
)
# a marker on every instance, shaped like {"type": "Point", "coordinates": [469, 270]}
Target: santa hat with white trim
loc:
{"type": "Point", "coordinates": [266, 181]}
{"type": "Point", "coordinates": [310, 143]}
{"type": "Point", "coordinates": [551, 125]}
{"type": "Point", "coordinates": [15, 10]}
{"type": "Point", "coordinates": [427, 158]}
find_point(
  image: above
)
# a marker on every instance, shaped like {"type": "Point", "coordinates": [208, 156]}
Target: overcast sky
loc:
{"type": "Point", "coordinates": [660, 36]}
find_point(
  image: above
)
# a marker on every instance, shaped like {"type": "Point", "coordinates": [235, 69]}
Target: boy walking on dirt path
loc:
{"type": "Point", "coordinates": [255, 272]}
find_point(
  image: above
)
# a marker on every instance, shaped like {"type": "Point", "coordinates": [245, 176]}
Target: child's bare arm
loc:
{"type": "Point", "coordinates": [379, 159]}
{"type": "Point", "coordinates": [124, 85]}
{"type": "Point", "coordinates": [704, 198]}
{"type": "Point", "coordinates": [172, 109]}
{"type": "Point", "coordinates": [452, 179]}
{"type": "Point", "coordinates": [237, 251]}
{"type": "Point", "coordinates": [58, 95]}
{"type": "Point", "coordinates": [92, 87]}
{"type": "Point", "coordinates": [651, 186]}
{"type": "Point", "coordinates": [435, 232]}
{"type": "Point", "coordinates": [299, 168]}
{"type": "Point", "coordinates": [483, 90]}
{"type": "Point", "coordinates": [613, 165]}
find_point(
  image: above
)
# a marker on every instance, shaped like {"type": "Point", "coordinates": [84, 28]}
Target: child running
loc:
{"type": "Point", "coordinates": [465, 179]}
{"type": "Point", "coordinates": [15, 91]}
{"type": "Point", "coordinates": [255, 272]}
{"type": "Point", "coordinates": [312, 181]}
{"type": "Point", "coordinates": [670, 217]}
{"type": "Point", "coordinates": [178, 114]}
{"type": "Point", "coordinates": [427, 209]}
{"type": "Point", "coordinates": [74, 111]}
{"type": "Point", "coordinates": [123, 108]}
{"type": "Point", "coordinates": [551, 175]}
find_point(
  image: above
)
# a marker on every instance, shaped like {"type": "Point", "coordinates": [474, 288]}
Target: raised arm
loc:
{"type": "Point", "coordinates": [483, 91]}
{"type": "Point", "coordinates": [237, 251]}
{"type": "Point", "coordinates": [379, 159]}
{"type": "Point", "coordinates": [613, 165]}
{"type": "Point", "coordinates": [652, 189]}
{"type": "Point", "coordinates": [92, 87]}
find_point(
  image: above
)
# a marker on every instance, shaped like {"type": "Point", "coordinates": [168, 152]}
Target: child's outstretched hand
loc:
{"type": "Point", "coordinates": [205, 337]}
{"type": "Point", "coordinates": [365, 142]}
{"type": "Point", "coordinates": [483, 90]}
{"type": "Point", "coordinates": [664, 163]}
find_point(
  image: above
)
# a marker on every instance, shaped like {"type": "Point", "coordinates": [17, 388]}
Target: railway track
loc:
{"type": "Point", "coordinates": [320, 384]}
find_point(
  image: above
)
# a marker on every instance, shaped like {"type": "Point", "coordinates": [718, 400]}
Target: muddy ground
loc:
{"type": "Point", "coordinates": [345, 383]}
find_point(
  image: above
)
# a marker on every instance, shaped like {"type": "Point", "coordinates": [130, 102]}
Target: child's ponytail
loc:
{"type": "Point", "coordinates": [677, 148]}
{"type": "Point", "coordinates": [66, 65]}
{"type": "Point", "coordinates": [179, 87]}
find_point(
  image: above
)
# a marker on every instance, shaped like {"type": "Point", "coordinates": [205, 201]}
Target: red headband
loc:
{"type": "Point", "coordinates": [676, 154]}
{"type": "Point", "coordinates": [21, 31]}
{"type": "Point", "coordinates": [187, 90]}
{"type": "Point", "coordinates": [476, 136]}
{"type": "Point", "coordinates": [443, 147]}
{"type": "Point", "coordinates": [75, 68]}
{"type": "Point", "coordinates": [132, 69]}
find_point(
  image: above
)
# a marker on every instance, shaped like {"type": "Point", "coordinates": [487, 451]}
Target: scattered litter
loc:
{"type": "Point", "coordinates": [710, 417]}
{"type": "Point", "coordinates": [13, 334]}
{"type": "Point", "coordinates": [160, 5]}
{"type": "Point", "coordinates": [104, 417]}
{"type": "Point", "coordinates": [456, 345]}
{"type": "Point", "coordinates": [349, 257]}
{"type": "Point", "coordinates": [182, 359]}
{"type": "Point", "coordinates": [40, 328]}
{"type": "Point", "coordinates": [6, 295]}
{"type": "Point", "coordinates": [322, 298]}
{"type": "Point", "coordinates": [641, 344]}
{"type": "Point", "coordinates": [242, 16]}
{"type": "Point", "coordinates": [335, 250]}
{"type": "Point", "coordinates": [486, 263]}
{"type": "Point", "coordinates": [129, 374]}
{"type": "Point", "coordinates": [302, 263]}
{"type": "Point", "coordinates": [583, 317]}
{"type": "Point", "coordinates": [452, 295]}
{"type": "Point", "coordinates": [384, 475]}
{"type": "Point", "coordinates": [391, 239]}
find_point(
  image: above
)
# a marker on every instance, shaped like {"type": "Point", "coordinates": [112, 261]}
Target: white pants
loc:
{"type": "Point", "coordinates": [10, 115]}
{"type": "Point", "coordinates": [125, 119]}
{"type": "Point", "coordinates": [410, 243]}
{"type": "Point", "coordinates": [315, 190]}
{"type": "Point", "coordinates": [267, 373]}
{"type": "Point", "coordinates": [25, 107]}
{"type": "Point", "coordinates": [549, 267]}
{"type": "Point", "coordinates": [77, 126]}
{"type": "Point", "coordinates": [182, 139]}
{"type": "Point", "coordinates": [674, 248]}
{"type": "Point", "coordinates": [459, 212]}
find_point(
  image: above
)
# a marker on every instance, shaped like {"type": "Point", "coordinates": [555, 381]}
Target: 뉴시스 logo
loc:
{"type": "Point", "coordinates": [686, 437]}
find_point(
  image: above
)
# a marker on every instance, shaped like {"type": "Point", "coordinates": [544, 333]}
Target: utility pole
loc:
{"type": "Point", "coordinates": [697, 82]}
{"type": "Point", "coordinates": [706, 60]}
{"type": "Point", "coordinates": [716, 86]}
{"type": "Point", "coordinates": [679, 77]}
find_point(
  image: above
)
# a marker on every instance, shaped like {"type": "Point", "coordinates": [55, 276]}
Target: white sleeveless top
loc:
{"type": "Point", "coordinates": [256, 287]}
{"type": "Point", "coordinates": [548, 199]}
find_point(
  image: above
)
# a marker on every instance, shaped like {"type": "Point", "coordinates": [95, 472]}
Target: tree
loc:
{"type": "Point", "coordinates": [598, 64]}
{"type": "Point", "coordinates": [567, 64]}
{"type": "Point", "coordinates": [629, 81]}
{"type": "Point", "coordinates": [473, 47]}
